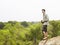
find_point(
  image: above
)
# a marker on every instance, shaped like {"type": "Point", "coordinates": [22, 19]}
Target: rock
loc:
{"type": "Point", "coordinates": [52, 41]}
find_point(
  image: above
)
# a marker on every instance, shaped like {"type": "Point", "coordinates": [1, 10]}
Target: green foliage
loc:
{"type": "Point", "coordinates": [56, 28]}
{"type": "Point", "coordinates": [25, 33]}
{"type": "Point", "coordinates": [1, 25]}
{"type": "Point", "coordinates": [25, 24]}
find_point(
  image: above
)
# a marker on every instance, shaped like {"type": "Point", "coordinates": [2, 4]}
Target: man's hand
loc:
{"type": "Point", "coordinates": [42, 21]}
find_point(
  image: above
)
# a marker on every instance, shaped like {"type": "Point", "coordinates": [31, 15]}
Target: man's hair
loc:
{"type": "Point", "coordinates": [43, 9]}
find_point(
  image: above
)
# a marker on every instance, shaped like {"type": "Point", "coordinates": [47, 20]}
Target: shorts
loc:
{"type": "Point", "coordinates": [44, 28]}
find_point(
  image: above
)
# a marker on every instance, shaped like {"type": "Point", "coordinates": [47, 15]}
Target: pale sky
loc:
{"type": "Point", "coordinates": [28, 10]}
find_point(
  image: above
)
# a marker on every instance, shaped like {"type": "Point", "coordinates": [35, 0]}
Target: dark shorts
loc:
{"type": "Point", "coordinates": [44, 28]}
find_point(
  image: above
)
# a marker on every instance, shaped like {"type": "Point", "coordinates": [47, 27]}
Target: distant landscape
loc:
{"type": "Point", "coordinates": [26, 33]}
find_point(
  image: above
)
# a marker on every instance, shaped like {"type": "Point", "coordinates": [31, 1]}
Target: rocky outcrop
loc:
{"type": "Point", "coordinates": [52, 41]}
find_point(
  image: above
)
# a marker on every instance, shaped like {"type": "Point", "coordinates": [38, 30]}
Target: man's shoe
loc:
{"type": "Point", "coordinates": [45, 38]}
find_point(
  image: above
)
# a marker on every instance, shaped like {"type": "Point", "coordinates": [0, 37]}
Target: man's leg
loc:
{"type": "Point", "coordinates": [45, 33]}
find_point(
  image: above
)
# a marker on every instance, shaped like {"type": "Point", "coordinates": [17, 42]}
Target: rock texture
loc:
{"type": "Point", "coordinates": [52, 41]}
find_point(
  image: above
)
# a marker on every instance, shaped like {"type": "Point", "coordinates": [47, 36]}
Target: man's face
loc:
{"type": "Point", "coordinates": [43, 11]}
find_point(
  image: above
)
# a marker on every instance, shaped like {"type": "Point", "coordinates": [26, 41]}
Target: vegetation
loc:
{"type": "Point", "coordinates": [25, 33]}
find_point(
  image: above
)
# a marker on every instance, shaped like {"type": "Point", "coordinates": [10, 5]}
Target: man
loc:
{"type": "Point", "coordinates": [45, 23]}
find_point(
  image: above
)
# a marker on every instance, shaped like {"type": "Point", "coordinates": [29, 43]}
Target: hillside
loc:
{"type": "Point", "coordinates": [52, 41]}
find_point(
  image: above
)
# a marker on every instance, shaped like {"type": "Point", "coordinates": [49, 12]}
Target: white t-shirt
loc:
{"type": "Point", "coordinates": [45, 19]}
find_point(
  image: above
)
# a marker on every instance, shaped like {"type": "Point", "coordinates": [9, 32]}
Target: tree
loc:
{"type": "Point", "coordinates": [25, 24]}
{"type": "Point", "coordinates": [36, 33]}
{"type": "Point", "coordinates": [2, 25]}
{"type": "Point", "coordinates": [56, 28]}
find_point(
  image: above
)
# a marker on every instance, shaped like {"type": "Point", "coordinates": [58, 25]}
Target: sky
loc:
{"type": "Point", "coordinates": [28, 10]}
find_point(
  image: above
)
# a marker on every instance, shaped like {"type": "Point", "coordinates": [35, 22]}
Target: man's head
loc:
{"type": "Point", "coordinates": [43, 10]}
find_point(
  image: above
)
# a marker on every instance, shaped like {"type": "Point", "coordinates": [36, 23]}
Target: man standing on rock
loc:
{"type": "Point", "coordinates": [44, 23]}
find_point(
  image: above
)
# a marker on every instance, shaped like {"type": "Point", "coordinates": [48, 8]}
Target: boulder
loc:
{"type": "Point", "coordinates": [51, 41]}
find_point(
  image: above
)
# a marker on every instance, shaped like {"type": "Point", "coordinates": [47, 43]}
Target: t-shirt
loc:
{"type": "Point", "coordinates": [45, 19]}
